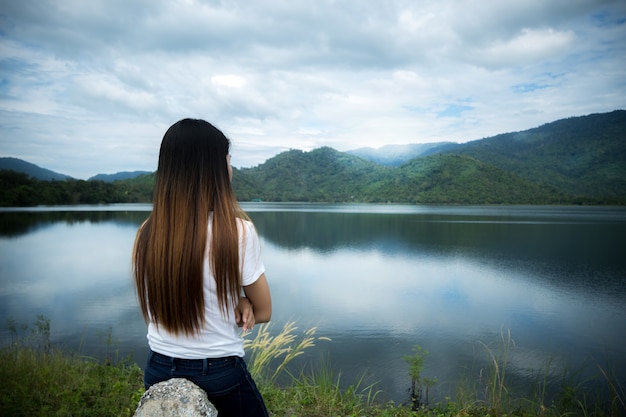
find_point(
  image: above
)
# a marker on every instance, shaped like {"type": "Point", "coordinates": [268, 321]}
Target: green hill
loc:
{"type": "Point", "coordinates": [322, 175]}
{"type": "Point", "coordinates": [579, 156]}
{"type": "Point", "coordinates": [460, 179]}
{"type": "Point", "coordinates": [326, 175]}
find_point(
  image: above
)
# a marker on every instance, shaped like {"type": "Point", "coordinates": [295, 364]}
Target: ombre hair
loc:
{"type": "Point", "coordinates": [192, 180]}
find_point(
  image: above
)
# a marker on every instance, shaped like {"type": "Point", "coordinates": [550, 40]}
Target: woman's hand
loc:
{"type": "Point", "coordinates": [244, 314]}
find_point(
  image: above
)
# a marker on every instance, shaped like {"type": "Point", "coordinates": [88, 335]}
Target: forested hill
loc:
{"type": "Point", "coordinates": [326, 175]}
{"type": "Point", "coordinates": [575, 160]}
{"type": "Point", "coordinates": [580, 156]}
{"type": "Point", "coordinates": [578, 160]}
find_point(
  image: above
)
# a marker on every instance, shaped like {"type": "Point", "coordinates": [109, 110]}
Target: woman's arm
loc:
{"type": "Point", "coordinates": [258, 293]}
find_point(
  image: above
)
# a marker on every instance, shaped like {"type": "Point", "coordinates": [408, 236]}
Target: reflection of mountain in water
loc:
{"type": "Point", "coordinates": [584, 251]}
{"type": "Point", "coordinates": [15, 223]}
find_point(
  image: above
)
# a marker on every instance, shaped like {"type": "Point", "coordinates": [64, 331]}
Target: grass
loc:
{"type": "Point", "coordinates": [496, 391]}
{"type": "Point", "coordinates": [266, 349]}
{"type": "Point", "coordinates": [36, 379]}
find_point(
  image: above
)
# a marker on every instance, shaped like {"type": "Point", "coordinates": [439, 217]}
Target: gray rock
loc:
{"type": "Point", "coordinates": [175, 397]}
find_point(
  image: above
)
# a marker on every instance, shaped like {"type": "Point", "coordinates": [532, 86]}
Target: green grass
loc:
{"type": "Point", "coordinates": [36, 379]}
{"type": "Point", "coordinates": [56, 383]}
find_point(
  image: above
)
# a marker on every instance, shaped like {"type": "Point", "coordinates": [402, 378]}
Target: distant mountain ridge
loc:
{"type": "Point", "coordinates": [32, 170]}
{"type": "Point", "coordinates": [39, 173]}
{"type": "Point", "coordinates": [124, 175]}
{"type": "Point", "coordinates": [579, 160]}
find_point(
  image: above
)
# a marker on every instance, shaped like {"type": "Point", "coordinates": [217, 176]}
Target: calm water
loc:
{"type": "Point", "coordinates": [376, 279]}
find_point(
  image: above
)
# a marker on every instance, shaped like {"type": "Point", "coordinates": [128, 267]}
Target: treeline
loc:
{"type": "Point", "coordinates": [19, 190]}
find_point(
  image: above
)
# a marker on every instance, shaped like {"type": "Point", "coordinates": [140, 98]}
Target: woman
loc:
{"type": "Point", "coordinates": [193, 258]}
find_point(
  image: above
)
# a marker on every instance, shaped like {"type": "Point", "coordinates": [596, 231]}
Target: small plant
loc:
{"type": "Point", "coordinates": [313, 393]}
{"type": "Point", "coordinates": [266, 349]}
{"type": "Point", "coordinates": [419, 385]}
{"type": "Point", "coordinates": [106, 339]}
{"type": "Point", "coordinates": [42, 331]}
{"type": "Point", "coordinates": [495, 385]}
{"type": "Point", "coordinates": [39, 337]}
{"type": "Point", "coordinates": [616, 391]}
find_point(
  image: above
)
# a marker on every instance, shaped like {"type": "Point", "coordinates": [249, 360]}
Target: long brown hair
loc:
{"type": "Point", "coordinates": [192, 180]}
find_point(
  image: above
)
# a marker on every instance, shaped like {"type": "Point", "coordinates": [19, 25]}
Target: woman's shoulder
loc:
{"type": "Point", "coordinates": [247, 224]}
{"type": "Point", "coordinates": [246, 229]}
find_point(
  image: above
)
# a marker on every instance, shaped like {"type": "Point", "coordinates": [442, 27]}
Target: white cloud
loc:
{"type": "Point", "coordinates": [88, 88]}
{"type": "Point", "coordinates": [228, 80]}
{"type": "Point", "coordinates": [103, 88]}
{"type": "Point", "coordinates": [528, 47]}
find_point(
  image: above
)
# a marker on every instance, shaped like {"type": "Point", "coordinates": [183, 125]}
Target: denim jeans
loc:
{"type": "Point", "coordinates": [226, 381]}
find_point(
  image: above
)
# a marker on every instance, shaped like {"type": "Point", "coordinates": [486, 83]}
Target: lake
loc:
{"type": "Point", "coordinates": [376, 279]}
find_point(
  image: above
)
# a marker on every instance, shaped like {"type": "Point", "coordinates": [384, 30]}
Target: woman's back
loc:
{"type": "Point", "coordinates": [193, 258]}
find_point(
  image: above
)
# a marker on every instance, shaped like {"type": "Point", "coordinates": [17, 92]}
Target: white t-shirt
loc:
{"type": "Point", "coordinates": [220, 335]}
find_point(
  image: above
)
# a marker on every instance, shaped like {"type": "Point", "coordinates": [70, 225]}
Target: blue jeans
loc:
{"type": "Point", "coordinates": [226, 381]}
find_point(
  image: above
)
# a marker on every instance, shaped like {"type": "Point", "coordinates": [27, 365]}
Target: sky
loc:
{"type": "Point", "coordinates": [89, 87]}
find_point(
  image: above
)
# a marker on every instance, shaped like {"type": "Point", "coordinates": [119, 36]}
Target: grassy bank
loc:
{"type": "Point", "coordinates": [37, 379]}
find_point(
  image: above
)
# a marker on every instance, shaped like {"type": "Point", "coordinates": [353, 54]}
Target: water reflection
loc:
{"type": "Point", "coordinates": [376, 279]}
{"type": "Point", "coordinates": [19, 222]}
{"type": "Point", "coordinates": [549, 250]}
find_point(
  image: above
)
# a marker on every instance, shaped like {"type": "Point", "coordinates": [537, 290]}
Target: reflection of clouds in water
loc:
{"type": "Point", "coordinates": [109, 308]}
{"type": "Point", "coordinates": [59, 282]}
{"type": "Point", "coordinates": [457, 297]}
{"type": "Point", "coordinates": [56, 261]}
{"type": "Point", "coordinates": [372, 286]}
{"type": "Point", "coordinates": [450, 305]}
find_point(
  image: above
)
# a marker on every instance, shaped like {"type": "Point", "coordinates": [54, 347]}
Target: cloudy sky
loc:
{"type": "Point", "coordinates": [90, 87]}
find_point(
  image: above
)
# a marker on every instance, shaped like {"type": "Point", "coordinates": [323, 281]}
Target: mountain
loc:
{"type": "Point", "coordinates": [322, 174]}
{"type": "Point", "coordinates": [574, 160]}
{"type": "Point", "coordinates": [396, 155]}
{"type": "Point", "coordinates": [32, 170]}
{"type": "Point", "coordinates": [580, 156]}
{"type": "Point", "coordinates": [124, 175]}
{"type": "Point", "coordinates": [326, 175]}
